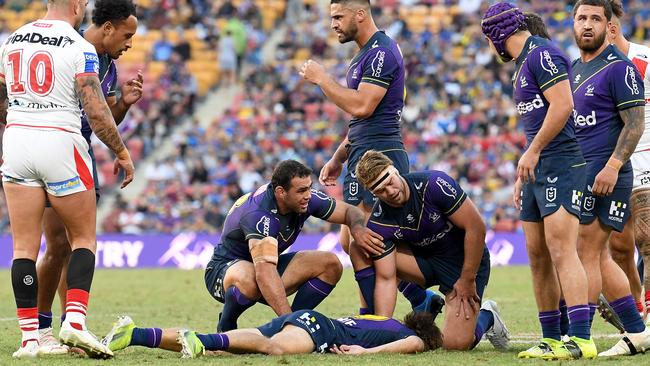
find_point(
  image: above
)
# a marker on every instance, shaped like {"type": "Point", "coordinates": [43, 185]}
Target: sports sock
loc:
{"type": "Point", "coordinates": [214, 342]}
{"type": "Point", "coordinates": [550, 322]}
{"type": "Point", "coordinates": [564, 318]}
{"type": "Point", "coordinates": [625, 308]}
{"type": "Point", "coordinates": [364, 311]}
{"type": "Point", "coordinates": [639, 307]}
{"type": "Point", "coordinates": [310, 294]}
{"type": "Point", "coordinates": [366, 280]}
{"type": "Point", "coordinates": [25, 285]}
{"type": "Point", "coordinates": [484, 322]}
{"type": "Point", "coordinates": [415, 294]}
{"type": "Point", "coordinates": [592, 312]}
{"type": "Point", "coordinates": [234, 305]}
{"type": "Point", "coordinates": [44, 319]}
{"type": "Point", "coordinates": [146, 337]}
{"type": "Point", "coordinates": [80, 276]}
{"type": "Point", "coordinates": [579, 323]}
{"type": "Point", "coordinates": [647, 300]}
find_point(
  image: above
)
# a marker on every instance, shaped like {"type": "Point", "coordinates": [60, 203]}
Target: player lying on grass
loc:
{"type": "Point", "coordinates": [432, 235]}
{"type": "Point", "coordinates": [300, 332]}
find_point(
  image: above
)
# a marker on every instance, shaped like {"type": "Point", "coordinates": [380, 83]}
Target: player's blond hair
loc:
{"type": "Point", "coordinates": [371, 164]}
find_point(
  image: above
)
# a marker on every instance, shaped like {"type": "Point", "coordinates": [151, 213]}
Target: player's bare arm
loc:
{"type": "Point", "coordinates": [102, 123]}
{"type": "Point", "coordinates": [625, 146]}
{"type": "Point", "coordinates": [265, 259]}
{"type": "Point", "coordinates": [560, 100]}
{"type": "Point", "coordinates": [4, 103]}
{"type": "Point", "coordinates": [131, 93]}
{"type": "Point", "coordinates": [468, 218]}
{"type": "Point", "coordinates": [369, 241]}
{"type": "Point", "coordinates": [410, 344]}
{"type": "Point", "coordinates": [359, 103]}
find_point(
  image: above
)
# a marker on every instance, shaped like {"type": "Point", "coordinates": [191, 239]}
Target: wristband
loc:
{"type": "Point", "coordinates": [614, 164]}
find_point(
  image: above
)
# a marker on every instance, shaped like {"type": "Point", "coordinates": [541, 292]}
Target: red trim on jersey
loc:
{"type": "Point", "coordinates": [82, 170]}
{"type": "Point", "coordinates": [648, 149]}
{"type": "Point", "coordinates": [2, 75]}
{"type": "Point", "coordinates": [42, 25]}
{"type": "Point", "coordinates": [35, 126]}
{"type": "Point", "coordinates": [641, 65]}
{"type": "Point", "coordinates": [87, 74]}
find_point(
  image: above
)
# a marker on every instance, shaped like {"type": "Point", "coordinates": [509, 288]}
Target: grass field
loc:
{"type": "Point", "coordinates": [175, 298]}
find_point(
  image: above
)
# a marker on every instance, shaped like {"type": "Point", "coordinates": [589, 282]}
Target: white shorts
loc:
{"type": "Point", "coordinates": [641, 167]}
{"type": "Point", "coordinates": [58, 161]}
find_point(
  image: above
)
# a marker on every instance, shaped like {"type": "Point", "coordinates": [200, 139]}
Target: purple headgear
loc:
{"type": "Point", "coordinates": [500, 21]}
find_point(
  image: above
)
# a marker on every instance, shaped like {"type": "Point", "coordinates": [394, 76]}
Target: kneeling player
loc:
{"type": "Point", "coordinates": [303, 331]}
{"type": "Point", "coordinates": [247, 266]}
{"type": "Point", "coordinates": [433, 235]}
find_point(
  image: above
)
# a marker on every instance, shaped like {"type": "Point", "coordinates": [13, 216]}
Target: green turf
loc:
{"type": "Point", "coordinates": [175, 298]}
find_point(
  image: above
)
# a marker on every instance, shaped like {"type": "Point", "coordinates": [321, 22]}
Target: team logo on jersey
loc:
{"type": "Point", "coordinates": [617, 211]}
{"type": "Point", "coordinates": [589, 201]}
{"type": "Point", "coordinates": [353, 188]}
{"type": "Point", "coordinates": [377, 64]}
{"type": "Point", "coordinates": [547, 62]}
{"type": "Point", "coordinates": [630, 80]}
{"type": "Point", "coordinates": [264, 225]}
{"type": "Point", "coordinates": [398, 234]}
{"type": "Point", "coordinates": [523, 82]}
{"type": "Point", "coordinates": [446, 188]}
{"type": "Point", "coordinates": [434, 216]}
{"type": "Point", "coordinates": [551, 194]}
{"type": "Point", "coordinates": [577, 79]}
{"type": "Point", "coordinates": [590, 90]}
{"type": "Point", "coordinates": [410, 218]}
{"type": "Point", "coordinates": [583, 121]}
{"type": "Point", "coordinates": [525, 107]}
{"type": "Point", "coordinates": [354, 73]}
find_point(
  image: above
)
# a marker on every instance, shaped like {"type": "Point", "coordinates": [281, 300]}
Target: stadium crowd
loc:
{"type": "Point", "coordinates": [453, 120]}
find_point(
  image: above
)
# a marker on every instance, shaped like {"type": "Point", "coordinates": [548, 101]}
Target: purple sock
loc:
{"type": "Point", "coordinates": [366, 280]}
{"type": "Point", "coordinates": [310, 294]}
{"type": "Point", "coordinates": [592, 312]}
{"type": "Point", "coordinates": [484, 322]}
{"type": "Point", "coordinates": [364, 311]}
{"type": "Point", "coordinates": [579, 323]}
{"type": "Point", "coordinates": [625, 308]}
{"type": "Point", "coordinates": [44, 320]}
{"type": "Point", "coordinates": [412, 292]}
{"type": "Point", "coordinates": [234, 305]}
{"type": "Point", "coordinates": [550, 322]}
{"type": "Point", "coordinates": [214, 342]}
{"type": "Point", "coordinates": [564, 318]}
{"type": "Point", "coordinates": [147, 337]}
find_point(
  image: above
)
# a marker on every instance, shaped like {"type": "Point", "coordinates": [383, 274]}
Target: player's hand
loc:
{"type": "Point", "coordinates": [132, 89]}
{"type": "Point", "coordinates": [367, 240]}
{"type": "Point", "coordinates": [123, 162]}
{"type": "Point", "coordinates": [526, 166]}
{"type": "Point", "coordinates": [344, 349]}
{"type": "Point", "coordinates": [516, 195]}
{"type": "Point", "coordinates": [313, 72]}
{"type": "Point", "coordinates": [330, 173]}
{"type": "Point", "coordinates": [605, 181]}
{"type": "Point", "coordinates": [465, 290]}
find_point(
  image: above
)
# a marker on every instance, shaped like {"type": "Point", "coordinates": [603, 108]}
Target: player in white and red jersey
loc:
{"type": "Point", "coordinates": [636, 230]}
{"type": "Point", "coordinates": [47, 70]}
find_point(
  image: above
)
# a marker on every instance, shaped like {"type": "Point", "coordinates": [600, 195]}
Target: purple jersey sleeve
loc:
{"type": "Point", "coordinates": [627, 91]}
{"type": "Point", "coordinates": [549, 67]}
{"type": "Point", "coordinates": [259, 225]}
{"type": "Point", "coordinates": [112, 88]}
{"type": "Point", "coordinates": [445, 193]}
{"type": "Point", "coordinates": [380, 67]}
{"type": "Point", "coordinates": [321, 205]}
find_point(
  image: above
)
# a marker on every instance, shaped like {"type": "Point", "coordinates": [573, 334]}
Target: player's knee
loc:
{"type": "Point", "coordinates": [458, 343]}
{"type": "Point", "coordinates": [248, 286]}
{"type": "Point", "coordinates": [274, 348]}
{"type": "Point", "coordinates": [333, 267]}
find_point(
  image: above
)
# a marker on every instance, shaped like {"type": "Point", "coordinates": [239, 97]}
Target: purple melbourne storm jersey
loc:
{"type": "Point", "coordinates": [601, 88]}
{"type": "Point", "coordinates": [371, 330]}
{"type": "Point", "coordinates": [423, 222]}
{"type": "Point", "coordinates": [379, 62]}
{"type": "Point", "coordinates": [540, 66]}
{"type": "Point", "coordinates": [255, 216]}
{"type": "Point", "coordinates": [108, 80]}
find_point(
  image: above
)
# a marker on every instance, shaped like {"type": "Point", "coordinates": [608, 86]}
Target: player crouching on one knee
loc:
{"type": "Point", "coordinates": [432, 235]}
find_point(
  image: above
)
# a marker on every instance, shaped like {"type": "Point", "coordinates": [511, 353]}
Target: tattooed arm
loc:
{"type": "Point", "coordinates": [102, 123]}
{"type": "Point", "coordinates": [4, 103]}
{"type": "Point", "coordinates": [630, 134]}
